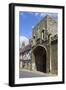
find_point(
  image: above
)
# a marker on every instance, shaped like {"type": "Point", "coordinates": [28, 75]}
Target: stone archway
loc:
{"type": "Point", "coordinates": [40, 58]}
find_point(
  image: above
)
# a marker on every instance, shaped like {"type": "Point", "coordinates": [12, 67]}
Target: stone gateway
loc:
{"type": "Point", "coordinates": [44, 46]}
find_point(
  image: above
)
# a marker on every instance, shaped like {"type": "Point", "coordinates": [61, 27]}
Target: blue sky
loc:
{"type": "Point", "coordinates": [27, 20]}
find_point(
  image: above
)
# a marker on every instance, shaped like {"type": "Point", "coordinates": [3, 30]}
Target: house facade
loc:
{"type": "Point", "coordinates": [25, 57]}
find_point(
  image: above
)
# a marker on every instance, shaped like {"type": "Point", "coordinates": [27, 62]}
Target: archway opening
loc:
{"type": "Point", "coordinates": [40, 58]}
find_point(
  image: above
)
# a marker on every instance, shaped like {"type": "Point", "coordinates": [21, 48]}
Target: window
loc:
{"type": "Point", "coordinates": [42, 34]}
{"type": "Point", "coordinates": [34, 37]}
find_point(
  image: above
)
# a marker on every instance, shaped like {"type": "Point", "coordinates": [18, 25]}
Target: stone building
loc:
{"type": "Point", "coordinates": [44, 46]}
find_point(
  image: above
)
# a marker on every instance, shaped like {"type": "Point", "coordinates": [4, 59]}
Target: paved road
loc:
{"type": "Point", "coordinates": [26, 74]}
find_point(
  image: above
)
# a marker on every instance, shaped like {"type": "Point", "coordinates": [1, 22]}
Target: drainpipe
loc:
{"type": "Point", "coordinates": [50, 52]}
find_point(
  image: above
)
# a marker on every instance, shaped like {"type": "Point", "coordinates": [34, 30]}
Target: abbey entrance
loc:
{"type": "Point", "coordinates": [40, 58]}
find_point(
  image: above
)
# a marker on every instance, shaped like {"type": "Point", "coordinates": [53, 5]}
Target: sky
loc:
{"type": "Point", "coordinates": [27, 20]}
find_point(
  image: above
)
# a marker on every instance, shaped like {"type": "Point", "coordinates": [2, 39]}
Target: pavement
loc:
{"type": "Point", "coordinates": [29, 74]}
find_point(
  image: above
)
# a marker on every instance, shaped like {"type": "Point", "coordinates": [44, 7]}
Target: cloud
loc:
{"type": "Point", "coordinates": [32, 26]}
{"type": "Point", "coordinates": [42, 14]}
{"type": "Point", "coordinates": [23, 39]}
{"type": "Point", "coordinates": [36, 14]}
{"type": "Point", "coordinates": [54, 15]}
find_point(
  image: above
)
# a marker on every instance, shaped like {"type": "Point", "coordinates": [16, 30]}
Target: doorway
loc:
{"type": "Point", "coordinates": [40, 58]}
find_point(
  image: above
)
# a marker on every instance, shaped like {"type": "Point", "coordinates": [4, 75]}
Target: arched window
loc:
{"type": "Point", "coordinates": [42, 34]}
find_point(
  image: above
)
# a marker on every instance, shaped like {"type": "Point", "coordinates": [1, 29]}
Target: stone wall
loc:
{"type": "Point", "coordinates": [52, 26]}
{"type": "Point", "coordinates": [54, 58]}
